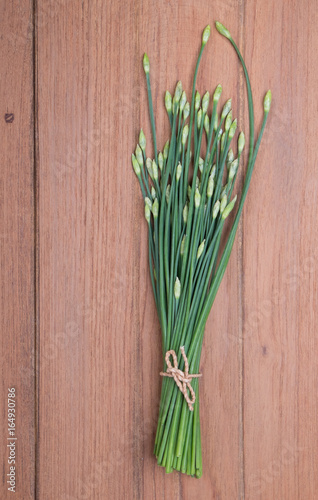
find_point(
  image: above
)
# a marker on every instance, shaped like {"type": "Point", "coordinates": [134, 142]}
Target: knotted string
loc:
{"type": "Point", "coordinates": [182, 379]}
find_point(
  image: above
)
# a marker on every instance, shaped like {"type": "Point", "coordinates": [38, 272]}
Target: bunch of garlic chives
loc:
{"type": "Point", "coordinates": [185, 219]}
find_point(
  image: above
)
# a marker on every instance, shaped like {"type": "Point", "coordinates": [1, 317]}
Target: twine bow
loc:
{"type": "Point", "coordinates": [182, 379]}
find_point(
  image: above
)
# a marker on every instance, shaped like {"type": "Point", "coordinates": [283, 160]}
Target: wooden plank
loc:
{"type": "Point", "coordinates": [99, 384]}
{"type": "Point", "coordinates": [280, 258]}
{"type": "Point", "coordinates": [17, 234]}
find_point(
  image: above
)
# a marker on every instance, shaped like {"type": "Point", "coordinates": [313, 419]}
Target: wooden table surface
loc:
{"type": "Point", "coordinates": [80, 338]}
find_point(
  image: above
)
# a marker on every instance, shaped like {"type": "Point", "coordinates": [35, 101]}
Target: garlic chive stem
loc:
{"type": "Point", "coordinates": [152, 120]}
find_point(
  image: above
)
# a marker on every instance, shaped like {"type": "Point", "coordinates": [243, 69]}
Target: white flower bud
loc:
{"type": "Point", "coordinates": [178, 171]}
{"type": "Point", "coordinates": [216, 209]}
{"type": "Point", "coordinates": [142, 140]}
{"type": "Point", "coordinates": [177, 288]}
{"type": "Point", "coordinates": [197, 198]}
{"type": "Point", "coordinates": [155, 208]}
{"type": "Point", "coordinates": [223, 203]}
{"type": "Point", "coordinates": [135, 165]}
{"type": "Point", "coordinates": [200, 249]}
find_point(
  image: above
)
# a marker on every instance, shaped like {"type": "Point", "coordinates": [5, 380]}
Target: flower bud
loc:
{"type": "Point", "coordinates": [223, 203]}
{"type": "Point", "coordinates": [210, 188]}
{"type": "Point", "coordinates": [177, 288]}
{"type": "Point", "coordinates": [168, 193]}
{"type": "Point", "coordinates": [216, 209]}
{"type": "Point", "coordinates": [217, 93]}
{"type": "Point", "coordinates": [155, 208]}
{"type": "Point", "coordinates": [148, 202]}
{"type": "Point", "coordinates": [206, 34]}
{"type": "Point", "coordinates": [160, 160]}
{"type": "Point", "coordinates": [149, 167]}
{"type": "Point", "coordinates": [186, 110]}
{"type": "Point", "coordinates": [233, 128]}
{"type": "Point", "coordinates": [168, 101]}
{"type": "Point", "coordinates": [240, 143]}
{"type": "Point", "coordinates": [154, 170]}
{"type": "Point", "coordinates": [230, 158]}
{"type": "Point", "coordinates": [267, 101]}
{"type": "Point", "coordinates": [213, 171]}
{"type": "Point", "coordinates": [206, 124]}
{"type": "Point", "coordinates": [200, 249]}
{"type": "Point", "coordinates": [221, 29]}
{"type": "Point", "coordinates": [228, 121]}
{"type": "Point", "coordinates": [185, 133]}
{"type": "Point", "coordinates": [197, 198]}
{"type": "Point", "coordinates": [153, 192]}
{"type": "Point", "coordinates": [135, 165]}
{"type": "Point", "coordinates": [145, 63]}
{"type": "Point", "coordinates": [199, 118]}
{"type": "Point", "coordinates": [147, 213]}
{"type": "Point", "coordinates": [205, 102]}
{"type": "Point", "coordinates": [233, 169]}
{"type": "Point", "coordinates": [185, 213]}
{"type": "Point", "coordinates": [201, 164]}
{"type": "Point", "coordinates": [178, 92]}
{"type": "Point", "coordinates": [139, 156]}
{"type": "Point", "coordinates": [183, 101]}
{"type": "Point", "coordinates": [229, 208]}
{"type": "Point", "coordinates": [178, 171]}
{"type": "Point", "coordinates": [197, 100]}
{"type": "Point", "coordinates": [166, 150]}
{"type": "Point", "coordinates": [142, 140]}
{"type": "Point", "coordinates": [226, 108]}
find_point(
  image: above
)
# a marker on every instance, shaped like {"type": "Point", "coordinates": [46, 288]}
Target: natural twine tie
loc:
{"type": "Point", "coordinates": [182, 379]}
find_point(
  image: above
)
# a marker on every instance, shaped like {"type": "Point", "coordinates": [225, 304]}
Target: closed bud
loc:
{"type": "Point", "coordinates": [183, 101]}
{"type": "Point", "coordinates": [185, 133]}
{"type": "Point", "coordinates": [178, 92]}
{"type": "Point", "coordinates": [149, 167]}
{"type": "Point", "coordinates": [206, 34]}
{"type": "Point", "coordinates": [201, 164]}
{"type": "Point", "coordinates": [197, 100]}
{"type": "Point", "coordinates": [177, 288]}
{"type": "Point", "coordinates": [200, 249]}
{"type": "Point", "coordinates": [210, 187]}
{"type": "Point", "coordinates": [185, 213]}
{"type": "Point", "coordinates": [155, 208]}
{"type": "Point", "coordinates": [205, 102]}
{"type": "Point", "coordinates": [148, 202]}
{"type": "Point", "coordinates": [216, 209]}
{"type": "Point", "coordinates": [233, 128]}
{"type": "Point", "coordinates": [199, 118]}
{"type": "Point", "coordinates": [186, 110]}
{"type": "Point", "coordinates": [267, 101]}
{"type": "Point", "coordinates": [223, 203]}
{"type": "Point", "coordinates": [206, 124]}
{"type": "Point", "coordinates": [189, 192]}
{"type": "Point", "coordinates": [160, 160]}
{"type": "Point", "coordinates": [166, 150]}
{"type": "Point", "coordinates": [153, 192]}
{"type": "Point", "coordinates": [217, 93]}
{"type": "Point", "coordinates": [228, 121]}
{"type": "Point", "coordinates": [142, 140]}
{"type": "Point", "coordinates": [168, 193]}
{"type": "Point", "coordinates": [197, 198]}
{"type": "Point", "coordinates": [147, 213]}
{"type": "Point", "coordinates": [230, 158]}
{"type": "Point", "coordinates": [240, 143]}
{"type": "Point", "coordinates": [197, 182]}
{"type": "Point", "coordinates": [213, 171]}
{"type": "Point", "coordinates": [226, 108]}
{"type": "Point", "coordinates": [222, 30]}
{"type": "Point", "coordinates": [219, 134]}
{"type": "Point", "coordinates": [179, 171]}
{"type": "Point", "coordinates": [233, 169]}
{"type": "Point", "coordinates": [229, 208]}
{"type": "Point", "coordinates": [168, 101]}
{"type": "Point", "coordinates": [139, 156]}
{"type": "Point", "coordinates": [154, 170]}
{"type": "Point", "coordinates": [135, 165]}
{"type": "Point", "coordinates": [145, 63]}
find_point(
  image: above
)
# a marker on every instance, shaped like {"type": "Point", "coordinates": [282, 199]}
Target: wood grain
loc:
{"type": "Point", "coordinates": [17, 236]}
{"type": "Point", "coordinates": [97, 386]}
